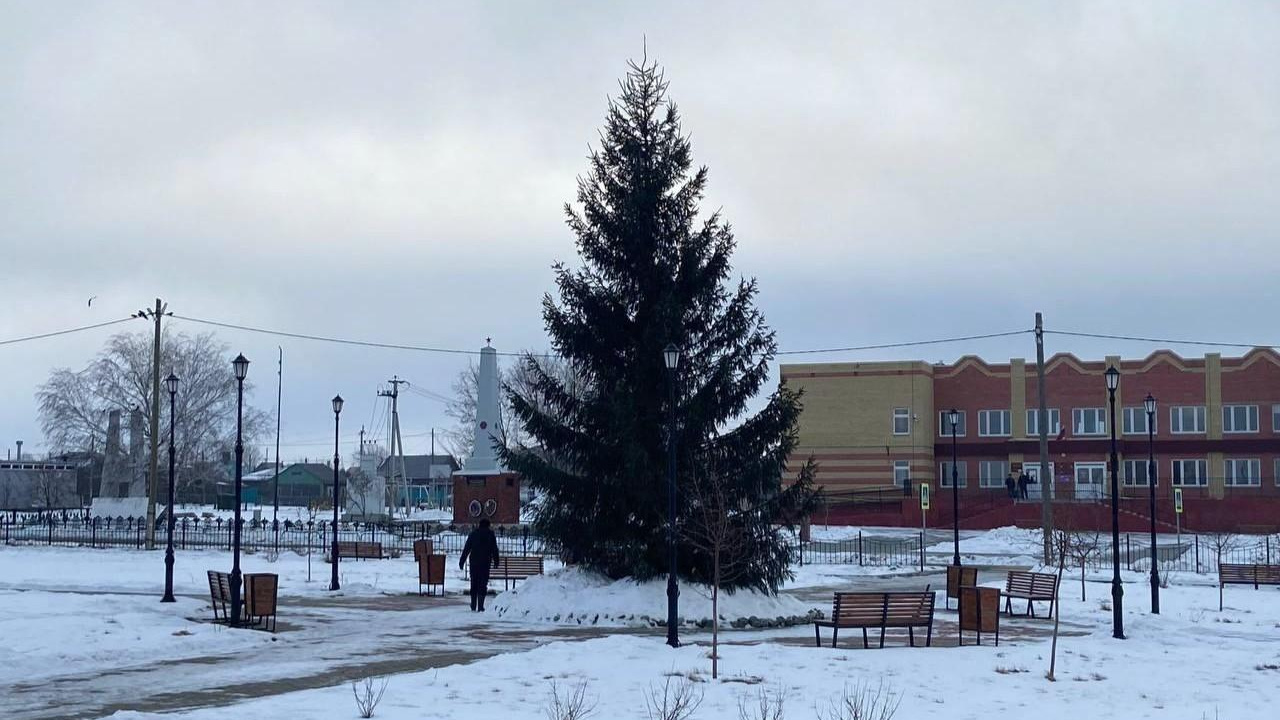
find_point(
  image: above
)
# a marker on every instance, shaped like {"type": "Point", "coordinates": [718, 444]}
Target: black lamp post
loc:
{"type": "Point", "coordinates": [671, 358]}
{"type": "Point", "coordinates": [241, 366]}
{"type": "Point", "coordinates": [171, 383]}
{"type": "Point", "coordinates": [337, 410]}
{"type": "Point", "coordinates": [1117, 592]}
{"type": "Point", "coordinates": [1150, 405]}
{"type": "Point", "coordinates": [954, 417]}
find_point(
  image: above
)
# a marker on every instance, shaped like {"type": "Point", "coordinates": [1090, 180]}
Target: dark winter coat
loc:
{"type": "Point", "coordinates": [482, 548]}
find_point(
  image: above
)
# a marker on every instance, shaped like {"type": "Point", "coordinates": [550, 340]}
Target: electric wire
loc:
{"type": "Point", "coordinates": [42, 336]}
{"type": "Point", "coordinates": [1159, 341]}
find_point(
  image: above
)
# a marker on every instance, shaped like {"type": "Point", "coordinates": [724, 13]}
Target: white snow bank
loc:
{"type": "Point", "coordinates": [579, 597]}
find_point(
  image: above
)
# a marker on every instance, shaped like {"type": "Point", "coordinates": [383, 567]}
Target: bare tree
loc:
{"type": "Point", "coordinates": [714, 527]}
{"type": "Point", "coordinates": [1223, 543]}
{"type": "Point", "coordinates": [1081, 545]}
{"type": "Point", "coordinates": [863, 702]}
{"type": "Point", "coordinates": [675, 699]}
{"type": "Point", "coordinates": [49, 489]}
{"type": "Point", "coordinates": [571, 704]}
{"type": "Point", "coordinates": [74, 403]}
{"type": "Point", "coordinates": [1061, 543]}
{"type": "Point", "coordinates": [517, 377]}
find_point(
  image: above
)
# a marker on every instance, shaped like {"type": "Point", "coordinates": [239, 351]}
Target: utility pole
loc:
{"type": "Point", "coordinates": [160, 311]}
{"type": "Point", "coordinates": [275, 485]}
{"type": "Point", "coordinates": [1042, 424]}
{"type": "Point", "coordinates": [396, 442]}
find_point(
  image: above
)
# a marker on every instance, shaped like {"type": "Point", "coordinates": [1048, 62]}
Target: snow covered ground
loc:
{"type": "Point", "coordinates": [1190, 662]}
{"type": "Point", "coordinates": [84, 627]}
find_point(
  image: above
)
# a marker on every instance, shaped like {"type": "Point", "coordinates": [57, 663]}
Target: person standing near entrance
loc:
{"type": "Point", "coordinates": [482, 548]}
{"type": "Point", "coordinates": [1023, 481]}
{"type": "Point", "coordinates": [1011, 486]}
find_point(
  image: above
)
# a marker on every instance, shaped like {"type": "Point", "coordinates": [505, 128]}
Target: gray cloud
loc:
{"type": "Point", "coordinates": [396, 171]}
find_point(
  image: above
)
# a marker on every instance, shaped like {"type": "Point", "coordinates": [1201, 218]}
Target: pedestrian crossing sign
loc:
{"type": "Point", "coordinates": [924, 496]}
{"type": "Point", "coordinates": [1177, 500]}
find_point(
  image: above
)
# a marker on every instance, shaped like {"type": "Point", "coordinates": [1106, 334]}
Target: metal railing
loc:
{"type": "Point", "coordinates": [255, 536]}
{"type": "Point", "coordinates": [1190, 553]}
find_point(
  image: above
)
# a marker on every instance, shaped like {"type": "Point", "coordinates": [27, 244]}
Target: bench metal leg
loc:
{"type": "Point", "coordinates": [1031, 607]}
{"type": "Point", "coordinates": [835, 631]}
{"type": "Point", "coordinates": [1220, 586]}
{"type": "Point", "coordinates": [911, 636]}
{"type": "Point", "coordinates": [881, 636]}
{"type": "Point", "coordinates": [865, 644]}
{"type": "Point", "coordinates": [817, 638]}
{"type": "Point", "coordinates": [928, 638]}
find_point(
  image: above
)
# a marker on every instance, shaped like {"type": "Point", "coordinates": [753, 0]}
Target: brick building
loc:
{"type": "Point", "coordinates": [879, 429]}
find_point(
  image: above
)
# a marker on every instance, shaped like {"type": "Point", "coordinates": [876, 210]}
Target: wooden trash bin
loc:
{"type": "Point", "coordinates": [422, 548]}
{"type": "Point", "coordinates": [980, 612]}
{"type": "Point", "coordinates": [430, 572]}
{"type": "Point", "coordinates": [959, 576]}
{"type": "Point", "coordinates": [260, 593]}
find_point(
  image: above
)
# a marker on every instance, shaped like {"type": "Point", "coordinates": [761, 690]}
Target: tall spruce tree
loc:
{"type": "Point", "coordinates": [654, 273]}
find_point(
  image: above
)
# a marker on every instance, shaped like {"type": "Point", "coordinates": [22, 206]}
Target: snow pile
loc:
{"type": "Point", "coordinates": [578, 597]}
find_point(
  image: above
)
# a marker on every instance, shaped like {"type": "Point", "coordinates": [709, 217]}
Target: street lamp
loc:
{"type": "Point", "coordinates": [1117, 592]}
{"type": "Point", "coordinates": [241, 366]}
{"type": "Point", "coordinates": [954, 417]}
{"type": "Point", "coordinates": [671, 358]}
{"type": "Point", "coordinates": [337, 410]}
{"type": "Point", "coordinates": [171, 383]}
{"type": "Point", "coordinates": [1150, 405]}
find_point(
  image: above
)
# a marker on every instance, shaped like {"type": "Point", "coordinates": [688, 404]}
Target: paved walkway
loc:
{"type": "Point", "coordinates": [324, 642]}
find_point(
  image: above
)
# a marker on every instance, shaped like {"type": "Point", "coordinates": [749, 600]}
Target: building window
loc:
{"type": "Point", "coordinates": [1190, 472]}
{"type": "Point", "coordinates": [901, 472]}
{"type": "Point", "coordinates": [962, 474]}
{"type": "Point", "coordinates": [1239, 418]}
{"type": "Point", "coordinates": [991, 473]}
{"type": "Point", "coordinates": [1135, 421]}
{"type": "Point", "coordinates": [1135, 472]}
{"type": "Point", "coordinates": [1186, 419]}
{"type": "Point", "coordinates": [944, 423]}
{"type": "Point", "coordinates": [1275, 472]}
{"type": "Point", "coordinates": [1089, 421]}
{"type": "Point", "coordinates": [1243, 472]}
{"type": "Point", "coordinates": [1033, 422]}
{"type": "Point", "coordinates": [993, 423]}
{"type": "Point", "coordinates": [901, 421]}
{"type": "Point", "coordinates": [1275, 418]}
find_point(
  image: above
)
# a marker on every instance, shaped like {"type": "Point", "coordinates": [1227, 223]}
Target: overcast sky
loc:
{"type": "Point", "coordinates": [395, 172]}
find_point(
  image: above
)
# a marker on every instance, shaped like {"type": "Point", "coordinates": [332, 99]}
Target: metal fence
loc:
{"type": "Point", "coordinates": [1190, 552]}
{"type": "Point", "coordinates": [873, 550]}
{"type": "Point", "coordinates": [55, 529]}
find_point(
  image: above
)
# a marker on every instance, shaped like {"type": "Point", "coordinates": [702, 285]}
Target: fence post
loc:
{"type": "Point", "coordinates": [860, 561]}
{"type": "Point", "coordinates": [93, 533]}
{"type": "Point", "coordinates": [138, 534]}
{"type": "Point", "coordinates": [1128, 551]}
{"type": "Point", "coordinates": [921, 551]}
{"type": "Point", "coordinates": [1267, 540]}
{"type": "Point", "coordinates": [184, 534]}
{"type": "Point", "coordinates": [51, 529]}
{"type": "Point", "coordinates": [524, 541]}
{"type": "Point", "coordinates": [1197, 537]}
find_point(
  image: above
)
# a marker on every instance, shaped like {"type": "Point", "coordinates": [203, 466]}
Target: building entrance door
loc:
{"type": "Point", "coordinates": [1089, 480]}
{"type": "Point", "coordinates": [1032, 470]}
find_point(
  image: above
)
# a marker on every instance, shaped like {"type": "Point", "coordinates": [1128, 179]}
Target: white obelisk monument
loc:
{"type": "Point", "coordinates": [483, 488]}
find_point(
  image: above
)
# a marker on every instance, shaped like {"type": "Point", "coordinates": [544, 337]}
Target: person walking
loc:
{"type": "Point", "coordinates": [482, 548]}
{"type": "Point", "coordinates": [1011, 486]}
{"type": "Point", "coordinates": [1023, 481]}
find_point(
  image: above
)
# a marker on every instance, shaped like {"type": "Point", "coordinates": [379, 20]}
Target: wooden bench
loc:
{"type": "Point", "coordinates": [883, 610]}
{"type": "Point", "coordinates": [1031, 587]}
{"type": "Point", "coordinates": [1255, 575]}
{"type": "Point", "coordinates": [360, 550]}
{"type": "Point", "coordinates": [516, 567]}
{"type": "Point", "coordinates": [260, 596]}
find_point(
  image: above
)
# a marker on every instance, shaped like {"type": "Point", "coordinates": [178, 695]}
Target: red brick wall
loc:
{"type": "Point", "coordinates": [502, 489]}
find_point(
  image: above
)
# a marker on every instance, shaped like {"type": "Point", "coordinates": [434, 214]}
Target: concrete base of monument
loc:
{"type": "Point", "coordinates": [478, 496]}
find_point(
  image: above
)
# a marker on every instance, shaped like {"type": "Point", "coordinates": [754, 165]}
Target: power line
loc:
{"type": "Point", "coordinates": [1162, 341]}
{"type": "Point", "coordinates": [340, 341]}
{"type": "Point", "coordinates": [457, 351]}
{"type": "Point", "coordinates": [913, 343]}
{"type": "Point", "coordinates": [65, 332]}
